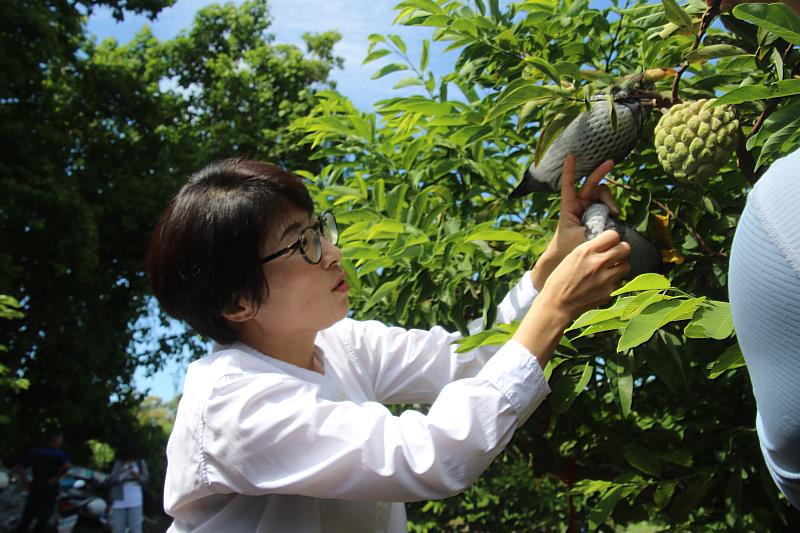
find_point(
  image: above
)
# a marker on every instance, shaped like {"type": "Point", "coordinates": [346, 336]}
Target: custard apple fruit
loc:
{"type": "Point", "coordinates": [693, 141]}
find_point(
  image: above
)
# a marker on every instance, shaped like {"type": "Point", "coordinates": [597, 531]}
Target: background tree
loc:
{"type": "Point", "coordinates": [651, 418]}
{"type": "Point", "coordinates": [95, 139]}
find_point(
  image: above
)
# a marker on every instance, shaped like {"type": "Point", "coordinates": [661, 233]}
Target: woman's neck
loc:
{"type": "Point", "coordinates": [293, 347]}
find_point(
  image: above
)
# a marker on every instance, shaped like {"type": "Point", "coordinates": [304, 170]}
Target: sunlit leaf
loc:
{"type": "Point", "coordinates": [730, 359]}
{"type": "Point", "coordinates": [777, 18]}
{"type": "Point", "coordinates": [644, 282]}
{"type": "Point", "coordinates": [676, 14]}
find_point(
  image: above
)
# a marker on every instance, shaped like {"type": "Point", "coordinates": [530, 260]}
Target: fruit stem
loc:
{"type": "Point", "coordinates": [708, 17]}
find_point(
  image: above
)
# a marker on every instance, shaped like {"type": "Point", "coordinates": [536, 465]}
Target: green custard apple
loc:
{"type": "Point", "coordinates": [693, 141]}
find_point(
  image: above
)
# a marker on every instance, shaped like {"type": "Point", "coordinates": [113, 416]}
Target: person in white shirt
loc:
{"type": "Point", "coordinates": [128, 474]}
{"type": "Point", "coordinates": [283, 426]}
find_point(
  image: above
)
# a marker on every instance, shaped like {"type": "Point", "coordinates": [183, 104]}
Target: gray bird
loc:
{"type": "Point", "coordinates": [592, 139]}
{"type": "Point", "coordinates": [645, 257]}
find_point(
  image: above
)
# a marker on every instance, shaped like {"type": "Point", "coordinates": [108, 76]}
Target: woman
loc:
{"type": "Point", "coordinates": [128, 475]}
{"type": "Point", "coordinates": [282, 427]}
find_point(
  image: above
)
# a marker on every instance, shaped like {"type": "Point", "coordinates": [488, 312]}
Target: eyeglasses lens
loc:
{"type": "Point", "coordinates": [312, 248]}
{"type": "Point", "coordinates": [329, 229]}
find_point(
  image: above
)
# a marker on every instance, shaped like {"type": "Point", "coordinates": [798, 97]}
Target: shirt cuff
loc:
{"type": "Point", "coordinates": [516, 373]}
{"type": "Point", "coordinates": [787, 480]}
{"type": "Point", "coordinates": [518, 300]}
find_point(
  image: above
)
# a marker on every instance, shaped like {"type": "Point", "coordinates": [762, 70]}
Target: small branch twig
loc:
{"type": "Point", "coordinates": [709, 251]}
{"type": "Point", "coordinates": [746, 162]}
{"type": "Point", "coordinates": [656, 99]}
{"type": "Point", "coordinates": [708, 17]}
{"type": "Point", "coordinates": [613, 44]}
{"type": "Point", "coordinates": [770, 106]}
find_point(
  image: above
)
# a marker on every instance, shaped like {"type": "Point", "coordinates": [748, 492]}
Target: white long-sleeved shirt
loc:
{"type": "Point", "coordinates": [263, 445]}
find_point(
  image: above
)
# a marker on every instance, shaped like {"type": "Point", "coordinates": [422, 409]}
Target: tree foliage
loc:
{"type": "Point", "coordinates": [95, 138]}
{"type": "Point", "coordinates": [651, 418]}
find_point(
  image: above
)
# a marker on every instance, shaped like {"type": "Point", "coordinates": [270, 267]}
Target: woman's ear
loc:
{"type": "Point", "coordinates": [241, 312]}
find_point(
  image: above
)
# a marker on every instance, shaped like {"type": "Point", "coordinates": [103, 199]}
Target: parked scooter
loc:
{"type": "Point", "coordinates": [80, 507]}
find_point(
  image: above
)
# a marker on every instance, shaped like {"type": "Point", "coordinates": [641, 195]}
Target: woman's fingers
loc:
{"type": "Point", "coordinates": [605, 196]}
{"type": "Point", "coordinates": [588, 192]}
{"type": "Point", "coordinates": [604, 241]}
{"type": "Point", "coordinates": [617, 253]}
{"type": "Point", "coordinates": [568, 194]}
{"type": "Point", "coordinates": [618, 272]}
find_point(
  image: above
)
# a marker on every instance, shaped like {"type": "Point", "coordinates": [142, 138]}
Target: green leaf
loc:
{"type": "Point", "coordinates": [569, 386]}
{"type": "Point", "coordinates": [731, 358]}
{"type": "Point", "coordinates": [503, 235]}
{"type": "Point", "coordinates": [596, 316]}
{"type": "Point", "coordinates": [777, 18]}
{"type": "Point", "coordinates": [549, 70]}
{"type": "Point", "coordinates": [423, 59]}
{"type": "Point", "coordinates": [642, 459]}
{"type": "Point", "coordinates": [684, 502]}
{"type": "Point", "coordinates": [714, 320]}
{"type": "Point", "coordinates": [677, 15]}
{"type": "Point", "coordinates": [377, 54]}
{"type": "Point", "coordinates": [383, 291]}
{"type": "Point", "coordinates": [388, 69]}
{"type": "Point", "coordinates": [713, 51]}
{"type": "Point", "coordinates": [398, 42]}
{"type": "Point", "coordinates": [663, 493]}
{"type": "Point", "coordinates": [786, 88]}
{"type": "Point", "coordinates": [607, 325]}
{"type": "Point", "coordinates": [602, 511]}
{"type": "Point", "coordinates": [590, 486]}
{"type": "Point", "coordinates": [749, 93]}
{"type": "Point", "coordinates": [619, 370]}
{"type": "Point", "coordinates": [407, 82]}
{"type": "Point", "coordinates": [644, 325]}
{"type": "Point", "coordinates": [644, 282]}
{"type": "Point", "coordinates": [383, 227]}
{"type": "Point", "coordinates": [774, 142]}
{"type": "Point", "coordinates": [429, 6]}
{"type": "Point", "coordinates": [640, 302]}
{"type": "Point", "coordinates": [506, 39]}
{"type": "Point", "coordinates": [515, 95]}
{"type": "Point", "coordinates": [569, 70]}
{"type": "Point", "coordinates": [484, 338]}
{"type": "Point", "coordinates": [679, 457]}
{"type": "Point", "coordinates": [552, 129]}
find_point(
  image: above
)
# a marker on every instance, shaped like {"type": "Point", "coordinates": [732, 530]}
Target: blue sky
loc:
{"type": "Point", "coordinates": [354, 19]}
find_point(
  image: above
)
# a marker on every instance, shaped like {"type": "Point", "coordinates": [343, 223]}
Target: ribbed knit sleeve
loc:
{"type": "Point", "coordinates": [764, 288]}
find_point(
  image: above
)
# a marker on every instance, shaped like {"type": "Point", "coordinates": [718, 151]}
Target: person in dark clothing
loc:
{"type": "Point", "coordinates": [48, 464]}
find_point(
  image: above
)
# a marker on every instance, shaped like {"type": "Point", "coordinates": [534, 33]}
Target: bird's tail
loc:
{"type": "Point", "coordinates": [528, 185]}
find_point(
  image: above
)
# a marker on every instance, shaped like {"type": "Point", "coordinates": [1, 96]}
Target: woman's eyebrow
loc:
{"type": "Point", "coordinates": [293, 227]}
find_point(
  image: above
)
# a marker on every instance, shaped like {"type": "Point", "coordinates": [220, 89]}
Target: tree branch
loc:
{"type": "Point", "coordinates": [708, 17]}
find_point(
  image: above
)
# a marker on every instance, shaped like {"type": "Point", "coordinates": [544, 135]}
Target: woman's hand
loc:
{"type": "Point", "coordinates": [570, 232]}
{"type": "Point", "coordinates": [583, 280]}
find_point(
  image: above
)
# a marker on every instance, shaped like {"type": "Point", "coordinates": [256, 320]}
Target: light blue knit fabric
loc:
{"type": "Point", "coordinates": [764, 289]}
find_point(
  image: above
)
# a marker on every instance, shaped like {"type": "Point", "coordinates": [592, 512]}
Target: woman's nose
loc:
{"type": "Point", "coordinates": [331, 254]}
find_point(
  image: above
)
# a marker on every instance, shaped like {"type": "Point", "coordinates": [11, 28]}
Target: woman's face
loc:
{"type": "Point", "coordinates": [302, 296]}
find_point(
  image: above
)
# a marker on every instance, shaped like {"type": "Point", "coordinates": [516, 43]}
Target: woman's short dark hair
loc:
{"type": "Point", "coordinates": [204, 254]}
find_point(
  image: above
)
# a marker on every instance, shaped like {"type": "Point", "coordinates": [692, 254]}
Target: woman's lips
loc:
{"type": "Point", "coordinates": [342, 286]}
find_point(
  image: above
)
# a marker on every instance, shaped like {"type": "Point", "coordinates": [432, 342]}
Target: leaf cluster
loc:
{"type": "Point", "coordinates": [651, 415]}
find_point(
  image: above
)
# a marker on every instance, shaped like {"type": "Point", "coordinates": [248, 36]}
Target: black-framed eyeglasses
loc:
{"type": "Point", "coordinates": [309, 243]}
